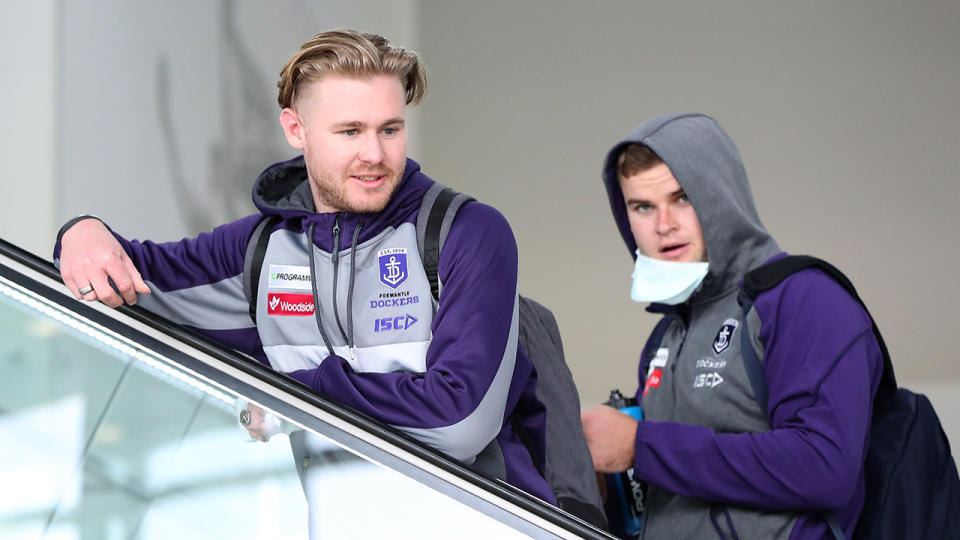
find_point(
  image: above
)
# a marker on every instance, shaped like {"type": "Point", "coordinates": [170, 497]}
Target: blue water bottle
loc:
{"type": "Point", "coordinates": [626, 491]}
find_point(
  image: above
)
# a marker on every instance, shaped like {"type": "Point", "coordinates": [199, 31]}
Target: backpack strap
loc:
{"type": "Point", "coordinates": [654, 341]}
{"type": "Point", "coordinates": [770, 275]}
{"type": "Point", "coordinates": [253, 260]}
{"type": "Point", "coordinates": [437, 210]}
{"type": "Point", "coordinates": [656, 337]}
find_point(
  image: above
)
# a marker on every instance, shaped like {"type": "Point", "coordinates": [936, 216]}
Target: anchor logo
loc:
{"type": "Point", "coordinates": [725, 335]}
{"type": "Point", "coordinates": [393, 266]}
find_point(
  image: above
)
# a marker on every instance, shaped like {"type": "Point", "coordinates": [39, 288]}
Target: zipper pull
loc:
{"type": "Point", "coordinates": [336, 240]}
{"type": "Point", "coordinates": [353, 357]}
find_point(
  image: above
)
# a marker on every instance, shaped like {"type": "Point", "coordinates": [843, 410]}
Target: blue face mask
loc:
{"type": "Point", "coordinates": [665, 282]}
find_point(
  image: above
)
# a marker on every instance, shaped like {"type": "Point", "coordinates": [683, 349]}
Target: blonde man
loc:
{"type": "Point", "coordinates": [343, 303]}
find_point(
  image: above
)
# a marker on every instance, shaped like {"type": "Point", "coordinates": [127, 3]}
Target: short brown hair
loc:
{"type": "Point", "coordinates": [636, 158]}
{"type": "Point", "coordinates": [348, 52]}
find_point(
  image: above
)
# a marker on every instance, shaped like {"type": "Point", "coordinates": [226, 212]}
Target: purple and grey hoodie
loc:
{"type": "Point", "coordinates": [345, 307]}
{"type": "Point", "coordinates": [714, 466]}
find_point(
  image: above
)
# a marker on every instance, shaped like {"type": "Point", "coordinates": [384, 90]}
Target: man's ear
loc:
{"type": "Point", "coordinates": [293, 129]}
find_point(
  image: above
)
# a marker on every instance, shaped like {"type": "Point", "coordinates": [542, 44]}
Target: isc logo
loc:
{"type": "Point", "coordinates": [394, 323]}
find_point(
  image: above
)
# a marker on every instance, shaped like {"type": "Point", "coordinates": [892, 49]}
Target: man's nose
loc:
{"type": "Point", "coordinates": [371, 149]}
{"type": "Point", "coordinates": [665, 221]}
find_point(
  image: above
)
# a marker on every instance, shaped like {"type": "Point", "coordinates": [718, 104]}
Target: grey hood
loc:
{"type": "Point", "coordinates": [708, 167]}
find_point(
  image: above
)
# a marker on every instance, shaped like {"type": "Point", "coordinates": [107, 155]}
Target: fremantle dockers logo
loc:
{"type": "Point", "coordinates": [393, 266]}
{"type": "Point", "coordinates": [725, 335]}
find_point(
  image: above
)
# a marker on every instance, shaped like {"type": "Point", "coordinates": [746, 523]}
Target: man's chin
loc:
{"type": "Point", "coordinates": [368, 207]}
{"type": "Point", "coordinates": [370, 203]}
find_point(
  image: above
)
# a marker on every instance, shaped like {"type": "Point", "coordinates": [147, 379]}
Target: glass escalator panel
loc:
{"type": "Point", "coordinates": [105, 436]}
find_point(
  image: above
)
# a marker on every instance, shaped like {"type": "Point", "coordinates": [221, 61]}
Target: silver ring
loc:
{"type": "Point", "coordinates": [244, 417]}
{"type": "Point", "coordinates": [85, 291]}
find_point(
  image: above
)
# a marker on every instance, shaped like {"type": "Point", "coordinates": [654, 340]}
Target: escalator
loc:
{"type": "Point", "coordinates": [116, 424]}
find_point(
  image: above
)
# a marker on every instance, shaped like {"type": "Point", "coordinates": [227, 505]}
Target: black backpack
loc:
{"type": "Point", "coordinates": [568, 467]}
{"type": "Point", "coordinates": [912, 486]}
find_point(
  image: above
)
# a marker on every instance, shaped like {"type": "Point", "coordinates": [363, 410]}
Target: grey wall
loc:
{"type": "Point", "coordinates": [846, 115]}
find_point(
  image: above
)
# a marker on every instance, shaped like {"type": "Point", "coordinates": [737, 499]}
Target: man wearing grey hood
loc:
{"type": "Point", "coordinates": [715, 464]}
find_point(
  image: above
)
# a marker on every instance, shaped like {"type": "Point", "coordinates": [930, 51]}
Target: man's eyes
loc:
{"type": "Point", "coordinates": [353, 132]}
{"type": "Point", "coordinates": [643, 208]}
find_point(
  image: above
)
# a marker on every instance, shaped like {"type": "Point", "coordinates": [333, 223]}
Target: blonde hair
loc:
{"type": "Point", "coordinates": [352, 53]}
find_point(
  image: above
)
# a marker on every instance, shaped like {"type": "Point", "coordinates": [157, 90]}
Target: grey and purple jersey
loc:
{"type": "Point", "coordinates": [348, 311]}
{"type": "Point", "coordinates": [716, 465]}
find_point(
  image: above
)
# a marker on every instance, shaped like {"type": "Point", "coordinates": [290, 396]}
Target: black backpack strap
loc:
{"type": "Point", "coordinates": [770, 275]}
{"type": "Point", "coordinates": [654, 341]}
{"type": "Point", "coordinates": [437, 210]}
{"type": "Point", "coordinates": [253, 260]}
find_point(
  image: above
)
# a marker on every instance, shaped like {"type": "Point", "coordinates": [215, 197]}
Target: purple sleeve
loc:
{"type": "Point", "coordinates": [198, 282]}
{"type": "Point", "coordinates": [458, 404]}
{"type": "Point", "coordinates": [822, 366]}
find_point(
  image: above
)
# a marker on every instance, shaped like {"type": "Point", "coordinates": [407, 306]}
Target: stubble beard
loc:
{"type": "Point", "coordinates": [332, 192]}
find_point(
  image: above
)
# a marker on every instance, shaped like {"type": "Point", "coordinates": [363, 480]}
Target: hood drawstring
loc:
{"type": "Point", "coordinates": [353, 274]}
{"type": "Point", "coordinates": [316, 294]}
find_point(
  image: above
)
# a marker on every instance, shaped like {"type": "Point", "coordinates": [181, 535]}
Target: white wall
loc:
{"type": "Point", "coordinates": [28, 62]}
{"type": "Point", "coordinates": [169, 109]}
{"type": "Point", "coordinates": [156, 116]}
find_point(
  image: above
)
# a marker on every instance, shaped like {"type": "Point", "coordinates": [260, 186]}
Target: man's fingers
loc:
{"type": "Point", "coordinates": [105, 293]}
{"type": "Point", "coordinates": [77, 283]}
{"type": "Point", "coordinates": [257, 426]}
{"type": "Point", "coordinates": [119, 272]}
{"type": "Point", "coordinates": [71, 286]}
{"type": "Point", "coordinates": [138, 284]}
